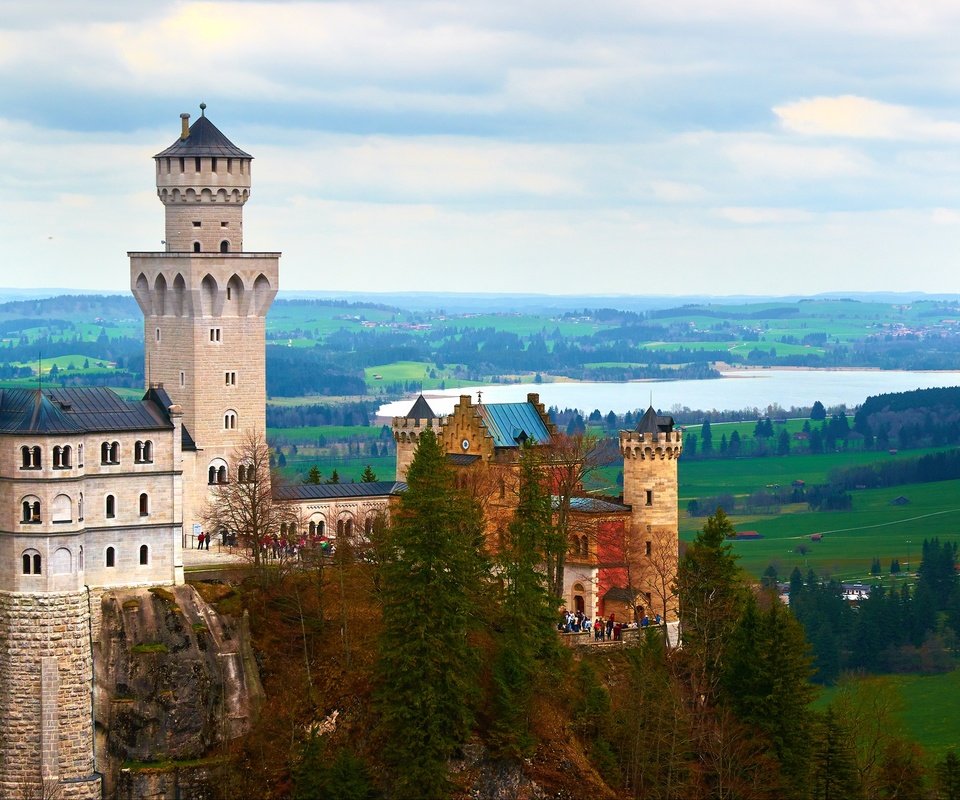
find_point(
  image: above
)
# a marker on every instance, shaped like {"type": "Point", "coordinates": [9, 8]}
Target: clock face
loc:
{"type": "Point", "coordinates": [465, 444]}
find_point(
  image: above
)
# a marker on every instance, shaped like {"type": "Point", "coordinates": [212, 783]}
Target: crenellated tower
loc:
{"type": "Point", "coordinates": [407, 430]}
{"type": "Point", "coordinates": [205, 301]}
{"type": "Point", "coordinates": [650, 487]}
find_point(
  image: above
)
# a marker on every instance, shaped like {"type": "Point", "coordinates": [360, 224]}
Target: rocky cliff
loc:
{"type": "Point", "coordinates": [173, 682]}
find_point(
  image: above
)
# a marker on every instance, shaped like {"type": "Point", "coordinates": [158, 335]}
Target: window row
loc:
{"type": "Point", "coordinates": [224, 247]}
{"type": "Point", "coordinates": [31, 562]}
{"type": "Point", "coordinates": [198, 163]}
{"type": "Point", "coordinates": [218, 472]}
{"type": "Point", "coordinates": [62, 510]}
{"type": "Point", "coordinates": [32, 457]}
{"type": "Point", "coordinates": [142, 453]}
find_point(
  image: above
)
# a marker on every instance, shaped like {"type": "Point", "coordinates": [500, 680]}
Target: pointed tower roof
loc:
{"type": "Point", "coordinates": [651, 422]}
{"type": "Point", "coordinates": [203, 139]}
{"type": "Point", "coordinates": [421, 410]}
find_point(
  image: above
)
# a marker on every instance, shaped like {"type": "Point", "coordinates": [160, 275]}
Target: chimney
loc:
{"type": "Point", "coordinates": [184, 126]}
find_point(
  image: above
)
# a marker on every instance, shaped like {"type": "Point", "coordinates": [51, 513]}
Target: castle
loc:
{"type": "Point", "coordinates": [103, 493]}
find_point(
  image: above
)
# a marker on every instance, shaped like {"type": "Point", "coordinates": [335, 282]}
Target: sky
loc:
{"type": "Point", "coordinates": [526, 146]}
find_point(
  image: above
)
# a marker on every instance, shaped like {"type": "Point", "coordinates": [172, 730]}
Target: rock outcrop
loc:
{"type": "Point", "coordinates": [173, 681]}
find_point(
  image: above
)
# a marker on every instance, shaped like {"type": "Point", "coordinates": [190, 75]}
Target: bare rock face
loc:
{"type": "Point", "coordinates": [172, 681]}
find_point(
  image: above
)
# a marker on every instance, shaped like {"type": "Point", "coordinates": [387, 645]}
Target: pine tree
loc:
{"type": "Point", "coordinates": [527, 615]}
{"type": "Point", "coordinates": [706, 438]}
{"type": "Point", "coordinates": [369, 476]}
{"type": "Point", "coordinates": [834, 765]}
{"type": "Point", "coordinates": [334, 477]}
{"type": "Point", "coordinates": [313, 476]}
{"type": "Point", "coordinates": [948, 777]}
{"type": "Point", "coordinates": [427, 669]}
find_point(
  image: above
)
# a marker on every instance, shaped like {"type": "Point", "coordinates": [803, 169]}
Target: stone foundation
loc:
{"type": "Point", "coordinates": [46, 718]}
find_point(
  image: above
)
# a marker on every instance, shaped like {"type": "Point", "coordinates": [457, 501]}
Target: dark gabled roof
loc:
{"type": "Point", "coordinates": [334, 491]}
{"type": "Point", "coordinates": [158, 395]}
{"type": "Point", "coordinates": [651, 422]}
{"type": "Point", "coordinates": [31, 411]}
{"type": "Point", "coordinates": [620, 594]}
{"type": "Point", "coordinates": [421, 410]}
{"type": "Point", "coordinates": [205, 139]}
{"type": "Point", "coordinates": [511, 423]}
{"type": "Point", "coordinates": [77, 411]}
{"type": "Point", "coordinates": [592, 505]}
{"type": "Point", "coordinates": [462, 459]}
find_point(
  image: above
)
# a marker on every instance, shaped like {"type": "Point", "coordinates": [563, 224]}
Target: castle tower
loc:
{"type": "Point", "coordinates": [407, 430]}
{"type": "Point", "coordinates": [650, 488]}
{"type": "Point", "coordinates": [204, 302]}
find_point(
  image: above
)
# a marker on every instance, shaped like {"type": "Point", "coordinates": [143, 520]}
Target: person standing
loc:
{"type": "Point", "coordinates": [200, 541]}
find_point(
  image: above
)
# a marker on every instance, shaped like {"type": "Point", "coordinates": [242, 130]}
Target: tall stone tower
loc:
{"type": "Point", "coordinates": [204, 303]}
{"type": "Point", "coordinates": [650, 488]}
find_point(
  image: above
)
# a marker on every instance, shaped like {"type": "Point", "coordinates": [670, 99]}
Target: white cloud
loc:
{"type": "Point", "coordinates": [766, 157]}
{"type": "Point", "coordinates": [862, 118]}
{"type": "Point", "coordinates": [764, 216]}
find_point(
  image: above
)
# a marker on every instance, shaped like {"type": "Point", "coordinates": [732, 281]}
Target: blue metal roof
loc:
{"type": "Point", "coordinates": [75, 410]}
{"type": "Point", "coordinates": [591, 505]}
{"type": "Point", "coordinates": [510, 423]}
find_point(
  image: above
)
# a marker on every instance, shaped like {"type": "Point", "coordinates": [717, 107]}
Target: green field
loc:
{"type": "Point", "coordinates": [930, 708]}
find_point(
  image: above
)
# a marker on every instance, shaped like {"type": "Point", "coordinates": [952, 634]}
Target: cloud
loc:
{"type": "Point", "coordinates": [770, 158]}
{"type": "Point", "coordinates": [849, 116]}
{"type": "Point", "coordinates": [764, 216]}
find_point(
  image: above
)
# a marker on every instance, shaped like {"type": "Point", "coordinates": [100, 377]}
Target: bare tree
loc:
{"type": "Point", "coordinates": [248, 509]}
{"type": "Point", "coordinates": [568, 460]}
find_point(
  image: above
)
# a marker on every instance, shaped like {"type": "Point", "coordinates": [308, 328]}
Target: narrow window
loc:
{"type": "Point", "coordinates": [65, 457]}
{"type": "Point", "coordinates": [321, 525]}
{"type": "Point", "coordinates": [111, 553]}
{"type": "Point", "coordinates": [196, 164]}
{"type": "Point", "coordinates": [57, 451]}
{"type": "Point", "coordinates": [313, 528]}
{"type": "Point", "coordinates": [24, 457]}
{"type": "Point", "coordinates": [168, 166]}
{"type": "Point", "coordinates": [215, 335]}
{"type": "Point", "coordinates": [222, 475]}
{"type": "Point", "coordinates": [181, 165]}
{"type": "Point", "coordinates": [105, 453]}
{"type": "Point", "coordinates": [158, 334]}
{"type": "Point", "coordinates": [196, 247]}
{"type": "Point", "coordinates": [229, 166]}
{"type": "Point", "coordinates": [649, 497]}
{"type": "Point", "coordinates": [213, 164]}
{"type": "Point", "coordinates": [241, 166]}
{"type": "Point", "coordinates": [79, 455]}
{"type": "Point", "coordinates": [212, 475]}
{"type": "Point", "coordinates": [80, 560]}
{"type": "Point", "coordinates": [368, 526]}
{"type": "Point", "coordinates": [225, 247]}
{"type": "Point", "coordinates": [144, 554]}
{"type": "Point", "coordinates": [183, 378]}
{"type": "Point", "coordinates": [242, 474]}
{"type": "Point", "coordinates": [36, 458]}
{"type": "Point", "coordinates": [648, 550]}
{"type": "Point", "coordinates": [26, 563]}
{"type": "Point", "coordinates": [35, 509]}
{"type": "Point", "coordinates": [144, 504]}
{"type": "Point", "coordinates": [80, 511]}
{"type": "Point", "coordinates": [115, 453]}
{"type": "Point", "coordinates": [37, 563]}
{"type": "Point", "coordinates": [110, 506]}
{"type": "Point", "coordinates": [148, 452]}
{"type": "Point", "coordinates": [230, 378]}
{"type": "Point", "coordinates": [138, 452]}
{"type": "Point", "coordinates": [27, 516]}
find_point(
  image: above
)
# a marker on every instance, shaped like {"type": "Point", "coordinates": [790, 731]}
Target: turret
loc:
{"type": "Point", "coordinates": [407, 430]}
{"type": "Point", "coordinates": [203, 180]}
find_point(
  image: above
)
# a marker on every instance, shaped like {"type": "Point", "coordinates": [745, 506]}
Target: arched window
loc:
{"type": "Point", "coordinates": [222, 475]}
{"type": "Point", "coordinates": [111, 557]}
{"type": "Point", "coordinates": [340, 527]}
{"type": "Point", "coordinates": [313, 528]}
{"type": "Point", "coordinates": [144, 504]}
{"type": "Point", "coordinates": [212, 475]}
{"type": "Point", "coordinates": [65, 460]}
{"type": "Point", "coordinates": [32, 562]}
{"type": "Point", "coordinates": [230, 420]}
{"type": "Point", "coordinates": [138, 452]}
{"type": "Point", "coordinates": [57, 457]}
{"type": "Point", "coordinates": [24, 457]}
{"type": "Point", "coordinates": [224, 246]}
{"type": "Point", "coordinates": [144, 555]}
{"type": "Point", "coordinates": [148, 452]}
{"type": "Point", "coordinates": [110, 506]}
{"type": "Point", "coordinates": [79, 455]}
{"type": "Point", "coordinates": [242, 473]}
{"type": "Point", "coordinates": [31, 510]}
{"type": "Point", "coordinates": [196, 247]}
{"type": "Point", "coordinates": [115, 453]}
{"type": "Point", "coordinates": [80, 559]}
{"type": "Point", "coordinates": [35, 453]}
{"type": "Point", "coordinates": [105, 453]}
{"type": "Point", "coordinates": [62, 509]}
{"type": "Point", "coordinates": [62, 561]}
{"type": "Point", "coordinates": [368, 526]}
{"type": "Point", "coordinates": [217, 471]}
{"type": "Point", "coordinates": [80, 507]}
{"type": "Point", "coordinates": [349, 526]}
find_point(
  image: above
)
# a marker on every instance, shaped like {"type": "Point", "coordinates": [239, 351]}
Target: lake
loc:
{"type": "Point", "coordinates": [736, 390]}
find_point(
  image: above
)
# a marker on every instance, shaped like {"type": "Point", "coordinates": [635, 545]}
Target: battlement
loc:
{"type": "Point", "coordinates": [407, 429]}
{"type": "Point", "coordinates": [659, 445]}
